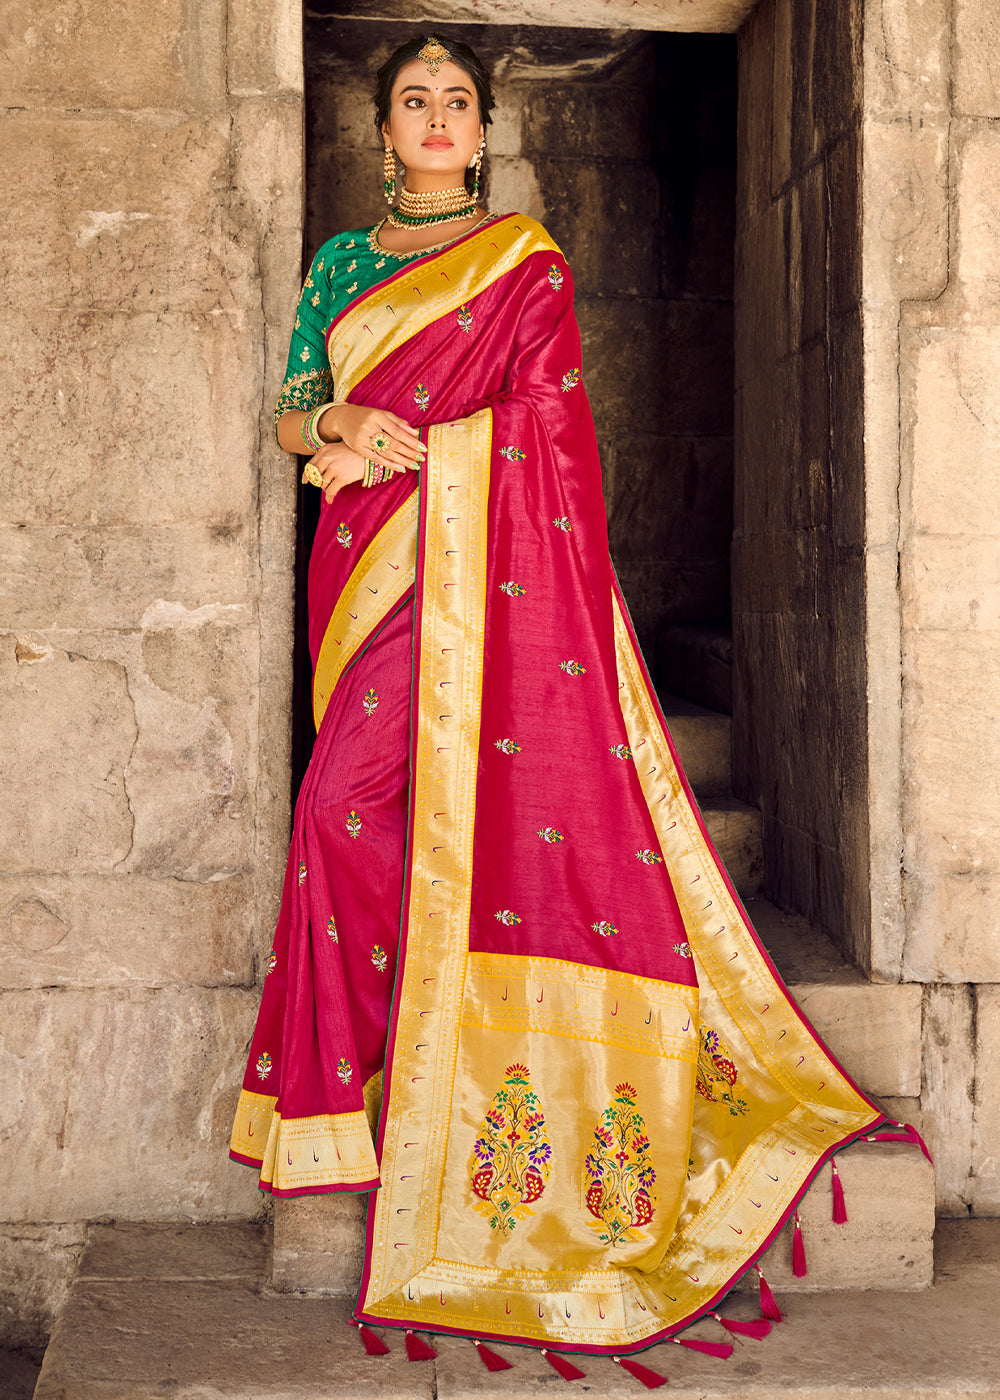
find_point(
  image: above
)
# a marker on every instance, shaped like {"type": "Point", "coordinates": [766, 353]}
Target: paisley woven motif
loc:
{"type": "Point", "coordinates": [618, 1172]}
{"type": "Point", "coordinates": [512, 1156]}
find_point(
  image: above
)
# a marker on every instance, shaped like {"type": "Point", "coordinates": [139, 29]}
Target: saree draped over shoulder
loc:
{"type": "Point", "coordinates": [513, 992]}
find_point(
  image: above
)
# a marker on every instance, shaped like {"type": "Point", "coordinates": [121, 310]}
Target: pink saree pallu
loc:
{"type": "Point", "coordinates": [599, 1104]}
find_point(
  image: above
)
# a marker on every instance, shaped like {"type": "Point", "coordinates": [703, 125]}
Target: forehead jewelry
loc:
{"type": "Point", "coordinates": [434, 54]}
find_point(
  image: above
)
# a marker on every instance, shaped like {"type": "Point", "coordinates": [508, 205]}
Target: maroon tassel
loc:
{"type": "Point", "coordinates": [565, 1368]}
{"type": "Point", "coordinates": [650, 1379]}
{"type": "Point", "coordinates": [418, 1350]}
{"type": "Point", "coordinates": [768, 1306]}
{"type": "Point", "coordinates": [757, 1329]}
{"type": "Point", "coordinates": [490, 1360]}
{"type": "Point", "coordinates": [374, 1345]}
{"type": "Point", "coordinates": [709, 1348]}
{"type": "Point", "coordinates": [799, 1268]}
{"type": "Point", "coordinates": [839, 1204]}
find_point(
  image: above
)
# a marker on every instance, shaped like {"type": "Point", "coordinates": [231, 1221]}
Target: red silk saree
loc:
{"type": "Point", "coordinates": [513, 993]}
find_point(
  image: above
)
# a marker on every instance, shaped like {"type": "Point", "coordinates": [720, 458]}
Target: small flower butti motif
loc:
{"type": "Point", "coordinates": [618, 1175]}
{"type": "Point", "coordinates": [555, 276]}
{"type": "Point", "coordinates": [370, 702]}
{"type": "Point", "coordinates": [380, 958]}
{"type": "Point", "coordinates": [344, 535]}
{"type": "Point", "coordinates": [550, 835]}
{"type": "Point", "coordinates": [421, 396]}
{"type": "Point", "coordinates": [621, 751]}
{"type": "Point", "coordinates": [513, 590]}
{"type": "Point", "coordinates": [717, 1073]}
{"type": "Point", "coordinates": [344, 1070]}
{"type": "Point", "coordinates": [353, 825]}
{"type": "Point", "coordinates": [649, 857]}
{"type": "Point", "coordinates": [570, 380]}
{"type": "Point", "coordinates": [513, 454]}
{"type": "Point", "coordinates": [508, 745]}
{"type": "Point", "coordinates": [302, 872]}
{"type": "Point", "coordinates": [331, 928]}
{"type": "Point", "coordinates": [264, 1063]}
{"type": "Point", "coordinates": [272, 960]}
{"type": "Point", "coordinates": [561, 522]}
{"type": "Point", "coordinates": [465, 318]}
{"type": "Point", "coordinates": [683, 950]}
{"type": "Point", "coordinates": [508, 917]}
{"type": "Point", "coordinates": [605, 928]}
{"type": "Point", "coordinates": [572, 668]}
{"type": "Point", "coordinates": [512, 1157]}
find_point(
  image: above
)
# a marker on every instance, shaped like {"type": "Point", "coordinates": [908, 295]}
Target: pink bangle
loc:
{"type": "Point", "coordinates": [310, 426]}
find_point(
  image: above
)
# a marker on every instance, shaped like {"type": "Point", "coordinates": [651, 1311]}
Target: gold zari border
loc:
{"type": "Point", "coordinates": [302, 1153]}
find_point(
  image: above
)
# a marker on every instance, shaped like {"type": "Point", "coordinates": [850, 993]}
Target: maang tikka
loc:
{"type": "Point", "coordinates": [433, 54]}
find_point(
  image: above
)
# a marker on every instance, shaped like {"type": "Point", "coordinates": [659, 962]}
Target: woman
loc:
{"type": "Point", "coordinates": [505, 938]}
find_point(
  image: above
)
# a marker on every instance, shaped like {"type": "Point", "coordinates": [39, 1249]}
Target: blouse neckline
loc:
{"type": "Point", "coordinates": [376, 246]}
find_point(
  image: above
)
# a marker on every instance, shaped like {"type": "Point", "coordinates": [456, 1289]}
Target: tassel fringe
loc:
{"type": "Point", "coordinates": [839, 1204]}
{"type": "Point", "coordinates": [799, 1267]}
{"type": "Point", "coordinates": [757, 1330]}
{"type": "Point", "coordinates": [417, 1349]}
{"type": "Point", "coordinates": [374, 1345]}
{"type": "Point", "coordinates": [490, 1359]}
{"type": "Point", "coordinates": [768, 1306]}
{"type": "Point", "coordinates": [650, 1379]}
{"type": "Point", "coordinates": [566, 1369]}
{"type": "Point", "coordinates": [709, 1348]}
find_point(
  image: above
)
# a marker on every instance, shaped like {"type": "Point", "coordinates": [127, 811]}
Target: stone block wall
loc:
{"type": "Point", "coordinates": [152, 228]}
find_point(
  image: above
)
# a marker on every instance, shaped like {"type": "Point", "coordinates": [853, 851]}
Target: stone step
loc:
{"type": "Point", "coordinates": [736, 831]}
{"type": "Point", "coordinates": [184, 1311]}
{"type": "Point", "coordinates": [704, 743]}
{"type": "Point", "coordinates": [697, 663]}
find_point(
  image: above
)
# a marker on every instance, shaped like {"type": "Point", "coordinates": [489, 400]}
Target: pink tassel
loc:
{"type": "Point", "coordinates": [418, 1350]}
{"type": "Point", "coordinates": [709, 1348]}
{"type": "Point", "coordinates": [650, 1379]}
{"type": "Point", "coordinates": [565, 1368]}
{"type": "Point", "coordinates": [490, 1360]}
{"type": "Point", "coordinates": [757, 1330]}
{"type": "Point", "coordinates": [908, 1134]}
{"type": "Point", "coordinates": [768, 1306]}
{"type": "Point", "coordinates": [915, 1137]}
{"type": "Point", "coordinates": [374, 1345]}
{"type": "Point", "coordinates": [799, 1267]}
{"type": "Point", "coordinates": [839, 1204]}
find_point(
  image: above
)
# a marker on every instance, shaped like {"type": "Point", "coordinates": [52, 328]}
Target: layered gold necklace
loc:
{"type": "Point", "coordinates": [421, 210]}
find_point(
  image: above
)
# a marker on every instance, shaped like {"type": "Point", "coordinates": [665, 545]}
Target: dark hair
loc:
{"type": "Point", "coordinates": [457, 52]}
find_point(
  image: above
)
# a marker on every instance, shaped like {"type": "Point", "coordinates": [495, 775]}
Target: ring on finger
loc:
{"type": "Point", "coordinates": [381, 442]}
{"type": "Point", "coordinates": [312, 476]}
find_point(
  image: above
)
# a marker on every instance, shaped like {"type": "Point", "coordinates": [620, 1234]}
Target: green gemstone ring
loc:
{"type": "Point", "coordinates": [380, 442]}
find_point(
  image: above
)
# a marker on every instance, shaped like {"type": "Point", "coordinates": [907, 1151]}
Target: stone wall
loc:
{"type": "Point", "coordinates": [152, 230]}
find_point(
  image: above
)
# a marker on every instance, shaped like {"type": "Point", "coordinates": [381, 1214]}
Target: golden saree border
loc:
{"type": "Point", "coordinates": [303, 1154]}
{"type": "Point", "coordinates": [380, 578]}
{"type": "Point", "coordinates": [393, 313]}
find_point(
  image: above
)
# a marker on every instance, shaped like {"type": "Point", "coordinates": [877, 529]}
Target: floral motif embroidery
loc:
{"type": "Point", "coordinates": [353, 287]}
{"type": "Point", "coordinates": [322, 264]}
{"type": "Point", "coordinates": [465, 318]}
{"type": "Point", "coordinates": [314, 301]}
{"type": "Point", "coordinates": [605, 928]}
{"type": "Point", "coordinates": [717, 1073]}
{"type": "Point", "coordinates": [682, 950]}
{"type": "Point", "coordinates": [380, 958]}
{"type": "Point", "coordinates": [421, 396]}
{"type": "Point", "coordinates": [512, 1157]}
{"type": "Point", "coordinates": [302, 871]}
{"type": "Point", "coordinates": [298, 323]}
{"type": "Point", "coordinates": [570, 380]}
{"type": "Point", "coordinates": [352, 264]}
{"type": "Point", "coordinates": [513, 590]}
{"type": "Point", "coordinates": [308, 283]}
{"type": "Point", "coordinates": [380, 263]}
{"type": "Point", "coordinates": [272, 961]}
{"type": "Point", "coordinates": [344, 1071]}
{"type": "Point", "coordinates": [344, 535]}
{"type": "Point", "coordinates": [621, 751]}
{"type": "Point", "coordinates": [264, 1063]}
{"type": "Point", "coordinates": [331, 928]}
{"type": "Point", "coordinates": [306, 390]}
{"type": "Point", "coordinates": [572, 668]}
{"type": "Point", "coordinates": [618, 1172]}
{"type": "Point", "coordinates": [555, 277]}
{"type": "Point", "coordinates": [370, 702]}
{"type": "Point", "coordinates": [508, 745]}
{"type": "Point", "coordinates": [649, 857]}
{"type": "Point", "coordinates": [508, 917]}
{"type": "Point", "coordinates": [305, 356]}
{"type": "Point", "coordinates": [513, 454]}
{"type": "Point", "coordinates": [561, 522]}
{"type": "Point", "coordinates": [550, 835]}
{"type": "Point", "coordinates": [349, 245]}
{"type": "Point", "coordinates": [353, 825]}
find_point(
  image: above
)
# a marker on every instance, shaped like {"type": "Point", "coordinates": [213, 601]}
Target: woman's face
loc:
{"type": "Point", "coordinates": [433, 124]}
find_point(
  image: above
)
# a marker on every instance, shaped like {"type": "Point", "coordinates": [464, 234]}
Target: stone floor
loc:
{"type": "Point", "coordinates": [18, 1373]}
{"type": "Point", "coordinates": [184, 1312]}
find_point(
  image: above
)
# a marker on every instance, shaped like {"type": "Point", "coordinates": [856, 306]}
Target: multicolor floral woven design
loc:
{"type": "Point", "coordinates": [621, 751]}
{"type": "Point", "coordinates": [512, 1157]}
{"type": "Point", "coordinates": [380, 959]}
{"type": "Point", "coordinates": [618, 1171]}
{"type": "Point", "coordinates": [649, 857]}
{"type": "Point", "coordinates": [555, 277]}
{"type": "Point", "coordinates": [465, 318]}
{"type": "Point", "coordinates": [370, 702]}
{"type": "Point", "coordinates": [344, 535]}
{"type": "Point", "coordinates": [421, 396]}
{"type": "Point", "coordinates": [264, 1064]}
{"type": "Point", "coordinates": [345, 1071]}
{"type": "Point", "coordinates": [550, 835]}
{"type": "Point", "coordinates": [353, 825]}
{"type": "Point", "coordinates": [513, 590]}
{"type": "Point", "coordinates": [605, 928]}
{"type": "Point", "coordinates": [717, 1073]}
{"type": "Point", "coordinates": [509, 746]}
{"type": "Point", "coordinates": [570, 380]}
{"type": "Point", "coordinates": [513, 454]}
{"type": "Point", "coordinates": [508, 917]}
{"type": "Point", "coordinates": [572, 668]}
{"type": "Point", "coordinates": [331, 929]}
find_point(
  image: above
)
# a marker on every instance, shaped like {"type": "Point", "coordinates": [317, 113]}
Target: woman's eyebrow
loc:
{"type": "Point", "coordinates": [419, 87]}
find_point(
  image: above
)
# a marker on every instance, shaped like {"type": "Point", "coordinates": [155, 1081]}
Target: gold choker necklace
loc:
{"type": "Point", "coordinates": [421, 209]}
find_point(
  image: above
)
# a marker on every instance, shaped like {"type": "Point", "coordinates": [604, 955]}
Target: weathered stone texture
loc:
{"type": "Point", "coordinates": [37, 1266]}
{"type": "Point", "coordinates": [319, 1243]}
{"type": "Point", "coordinates": [977, 76]}
{"type": "Point", "coordinates": [947, 1099]}
{"type": "Point", "coordinates": [984, 1185]}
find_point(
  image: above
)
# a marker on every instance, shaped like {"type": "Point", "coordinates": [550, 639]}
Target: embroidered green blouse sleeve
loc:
{"type": "Point", "coordinates": [308, 380]}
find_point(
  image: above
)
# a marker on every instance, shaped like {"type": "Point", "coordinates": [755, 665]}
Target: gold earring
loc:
{"type": "Point", "coordinates": [389, 184]}
{"type": "Point", "coordinates": [479, 162]}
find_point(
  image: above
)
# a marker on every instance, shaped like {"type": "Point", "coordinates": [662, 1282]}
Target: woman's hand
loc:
{"type": "Point", "coordinates": [338, 466]}
{"type": "Point", "coordinates": [361, 427]}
